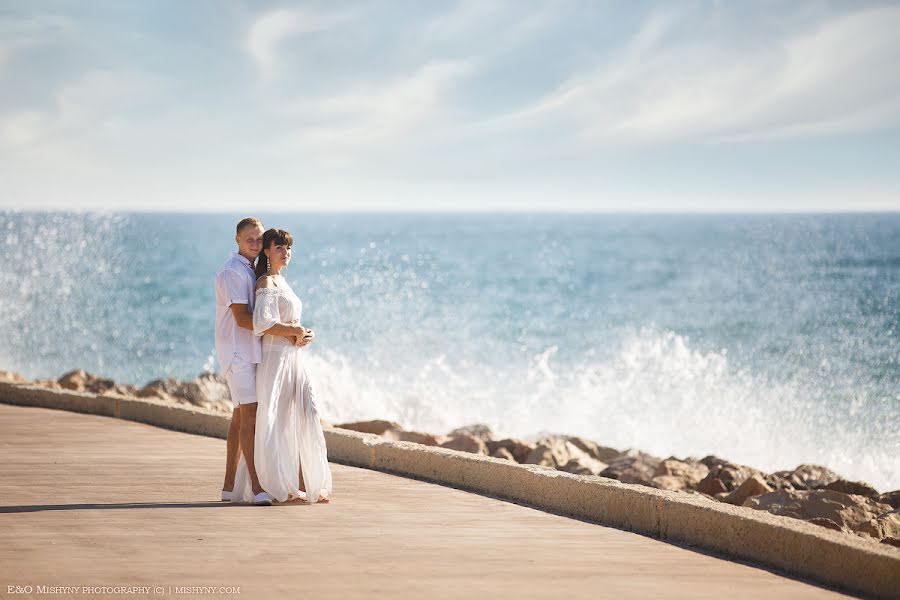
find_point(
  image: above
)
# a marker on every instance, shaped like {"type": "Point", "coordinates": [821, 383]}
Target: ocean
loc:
{"type": "Point", "coordinates": [770, 340]}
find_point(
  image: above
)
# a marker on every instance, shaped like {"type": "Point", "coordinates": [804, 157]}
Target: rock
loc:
{"type": "Point", "coordinates": [593, 449]}
{"type": "Point", "coordinates": [713, 461]}
{"type": "Point", "coordinates": [466, 443]}
{"type": "Point", "coordinates": [712, 486]}
{"type": "Point", "coordinates": [892, 498]}
{"type": "Point", "coordinates": [12, 377]}
{"type": "Point", "coordinates": [503, 453]}
{"type": "Point", "coordinates": [118, 389]}
{"type": "Point", "coordinates": [808, 477]}
{"type": "Point", "coordinates": [891, 542]}
{"type": "Point", "coordinates": [48, 383]}
{"type": "Point", "coordinates": [633, 466]}
{"type": "Point", "coordinates": [777, 482]}
{"type": "Point", "coordinates": [478, 430]}
{"type": "Point", "coordinates": [426, 439]}
{"type": "Point", "coordinates": [554, 451]}
{"type": "Point", "coordinates": [688, 472]}
{"type": "Point", "coordinates": [377, 427]}
{"type": "Point", "coordinates": [883, 526]}
{"type": "Point", "coordinates": [206, 390]}
{"type": "Point", "coordinates": [752, 486]}
{"type": "Point", "coordinates": [209, 391]}
{"type": "Point", "coordinates": [161, 388]}
{"type": "Point", "coordinates": [584, 465]}
{"type": "Point", "coordinates": [74, 380]}
{"type": "Point", "coordinates": [860, 488]}
{"type": "Point", "coordinates": [725, 477]}
{"type": "Point", "coordinates": [851, 512]}
{"type": "Point", "coordinates": [825, 522]}
{"type": "Point", "coordinates": [519, 449]}
{"type": "Point", "coordinates": [669, 482]}
{"type": "Point", "coordinates": [81, 381]}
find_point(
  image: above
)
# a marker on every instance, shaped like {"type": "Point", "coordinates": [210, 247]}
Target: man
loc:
{"type": "Point", "coordinates": [239, 351]}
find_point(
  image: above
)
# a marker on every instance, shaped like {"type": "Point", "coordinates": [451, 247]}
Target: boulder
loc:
{"type": "Point", "coordinates": [849, 511]}
{"type": "Point", "coordinates": [752, 486]}
{"type": "Point", "coordinates": [12, 377]}
{"type": "Point", "coordinates": [51, 384]}
{"type": "Point", "coordinates": [808, 477]}
{"type": "Point", "coordinates": [892, 498]}
{"type": "Point", "coordinates": [633, 466]}
{"type": "Point", "coordinates": [426, 439]}
{"type": "Point", "coordinates": [825, 522]}
{"type": "Point", "coordinates": [121, 390]}
{"type": "Point", "coordinates": [584, 465]}
{"type": "Point", "coordinates": [160, 388]}
{"type": "Point", "coordinates": [675, 474]}
{"type": "Point", "coordinates": [669, 482]}
{"type": "Point", "coordinates": [519, 449]}
{"type": "Point", "coordinates": [593, 449]}
{"type": "Point", "coordinates": [504, 454]}
{"type": "Point", "coordinates": [477, 430]}
{"type": "Point", "coordinates": [554, 451]}
{"type": "Point", "coordinates": [209, 391]}
{"type": "Point", "coordinates": [713, 461]}
{"type": "Point", "coordinates": [377, 426]}
{"type": "Point", "coordinates": [886, 525]}
{"type": "Point", "coordinates": [82, 381]}
{"type": "Point", "coordinates": [206, 390]}
{"type": "Point", "coordinates": [726, 477]}
{"type": "Point", "coordinates": [75, 380]}
{"type": "Point", "coordinates": [466, 443]}
{"type": "Point", "coordinates": [860, 488]}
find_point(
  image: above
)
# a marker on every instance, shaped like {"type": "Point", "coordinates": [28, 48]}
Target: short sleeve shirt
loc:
{"type": "Point", "coordinates": [235, 284]}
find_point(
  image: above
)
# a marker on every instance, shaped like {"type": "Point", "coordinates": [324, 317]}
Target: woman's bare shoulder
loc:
{"type": "Point", "coordinates": [266, 281]}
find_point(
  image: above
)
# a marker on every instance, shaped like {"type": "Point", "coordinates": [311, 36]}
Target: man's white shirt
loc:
{"type": "Point", "coordinates": [235, 284]}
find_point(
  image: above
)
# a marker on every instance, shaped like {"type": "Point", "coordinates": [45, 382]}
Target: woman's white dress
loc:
{"type": "Point", "coordinates": [288, 431]}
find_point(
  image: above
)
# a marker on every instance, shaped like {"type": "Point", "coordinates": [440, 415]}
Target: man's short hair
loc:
{"type": "Point", "coordinates": [248, 222]}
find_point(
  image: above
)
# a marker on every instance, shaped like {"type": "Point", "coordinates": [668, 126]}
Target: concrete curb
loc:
{"type": "Point", "coordinates": [793, 546]}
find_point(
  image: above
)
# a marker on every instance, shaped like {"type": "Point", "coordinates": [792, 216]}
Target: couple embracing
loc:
{"type": "Point", "coordinates": [276, 447]}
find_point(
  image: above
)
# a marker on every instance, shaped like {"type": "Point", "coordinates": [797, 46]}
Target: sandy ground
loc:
{"type": "Point", "coordinates": [94, 501]}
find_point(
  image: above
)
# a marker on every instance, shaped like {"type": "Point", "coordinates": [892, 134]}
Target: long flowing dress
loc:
{"type": "Point", "coordinates": [288, 431]}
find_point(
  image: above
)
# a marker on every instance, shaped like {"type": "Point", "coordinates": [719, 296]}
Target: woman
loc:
{"type": "Point", "coordinates": [290, 454]}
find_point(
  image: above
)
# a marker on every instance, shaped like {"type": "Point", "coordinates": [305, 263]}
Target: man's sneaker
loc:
{"type": "Point", "coordinates": [226, 496]}
{"type": "Point", "coordinates": [262, 499]}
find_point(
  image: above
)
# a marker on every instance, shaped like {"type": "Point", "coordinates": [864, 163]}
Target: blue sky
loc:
{"type": "Point", "coordinates": [426, 105]}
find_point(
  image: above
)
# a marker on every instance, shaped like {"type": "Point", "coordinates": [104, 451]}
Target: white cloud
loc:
{"type": "Point", "coordinates": [18, 33]}
{"type": "Point", "coordinates": [271, 29]}
{"type": "Point", "coordinates": [667, 85]}
{"type": "Point", "coordinates": [379, 116]}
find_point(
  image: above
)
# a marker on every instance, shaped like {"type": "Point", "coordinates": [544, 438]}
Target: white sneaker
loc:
{"type": "Point", "coordinates": [226, 496]}
{"type": "Point", "coordinates": [262, 499]}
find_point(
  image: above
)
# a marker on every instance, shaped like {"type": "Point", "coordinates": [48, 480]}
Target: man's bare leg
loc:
{"type": "Point", "coordinates": [248, 435]}
{"type": "Point", "coordinates": [232, 450]}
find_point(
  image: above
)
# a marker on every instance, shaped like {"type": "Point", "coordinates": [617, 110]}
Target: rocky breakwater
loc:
{"type": "Point", "coordinates": [810, 492]}
{"type": "Point", "coordinates": [208, 391]}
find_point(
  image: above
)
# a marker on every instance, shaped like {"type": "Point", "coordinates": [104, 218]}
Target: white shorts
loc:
{"type": "Point", "coordinates": [241, 379]}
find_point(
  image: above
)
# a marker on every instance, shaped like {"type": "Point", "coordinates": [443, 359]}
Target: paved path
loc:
{"type": "Point", "coordinates": [94, 501]}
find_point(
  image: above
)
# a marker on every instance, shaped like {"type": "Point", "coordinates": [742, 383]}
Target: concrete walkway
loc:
{"type": "Point", "coordinates": [94, 501]}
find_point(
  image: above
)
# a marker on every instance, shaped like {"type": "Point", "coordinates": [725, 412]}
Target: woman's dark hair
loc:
{"type": "Point", "coordinates": [270, 237]}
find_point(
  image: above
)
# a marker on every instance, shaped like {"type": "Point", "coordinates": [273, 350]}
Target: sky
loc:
{"type": "Point", "coordinates": [486, 105]}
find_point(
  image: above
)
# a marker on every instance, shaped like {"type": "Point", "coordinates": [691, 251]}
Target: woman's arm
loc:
{"type": "Point", "coordinates": [288, 330]}
{"type": "Point", "coordinates": [285, 330]}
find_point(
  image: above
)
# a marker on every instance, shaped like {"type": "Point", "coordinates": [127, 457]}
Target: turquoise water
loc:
{"type": "Point", "coordinates": [770, 340]}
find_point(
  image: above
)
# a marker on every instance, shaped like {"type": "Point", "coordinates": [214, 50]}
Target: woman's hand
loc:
{"type": "Point", "coordinates": [306, 339]}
